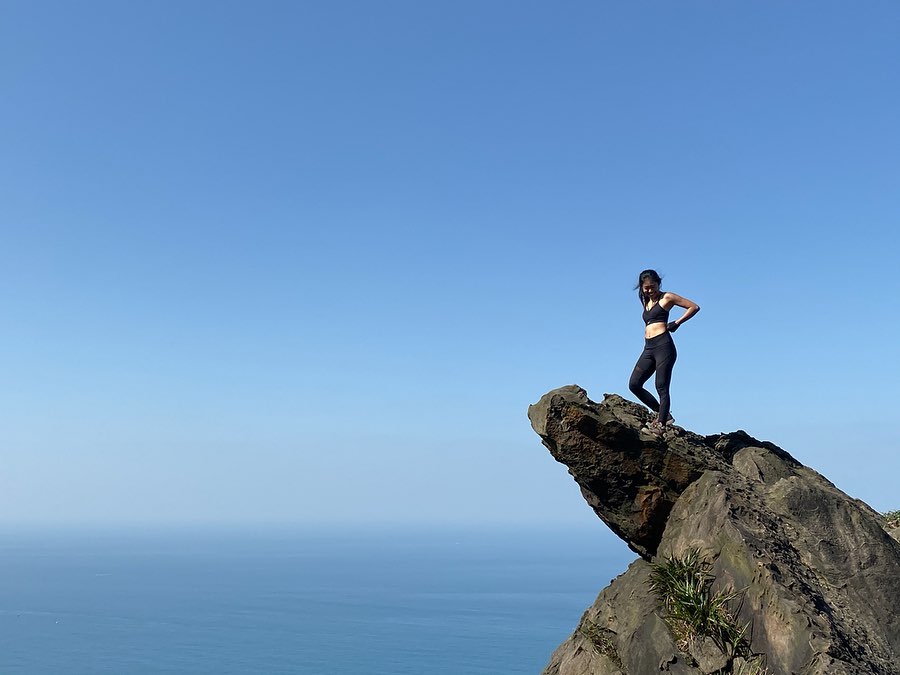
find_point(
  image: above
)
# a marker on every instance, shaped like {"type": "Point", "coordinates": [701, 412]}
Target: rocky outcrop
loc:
{"type": "Point", "coordinates": [816, 574]}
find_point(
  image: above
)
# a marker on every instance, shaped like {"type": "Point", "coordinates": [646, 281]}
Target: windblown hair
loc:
{"type": "Point", "coordinates": [646, 274]}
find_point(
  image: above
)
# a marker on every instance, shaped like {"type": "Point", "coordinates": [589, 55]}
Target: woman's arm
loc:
{"type": "Point", "coordinates": [690, 306]}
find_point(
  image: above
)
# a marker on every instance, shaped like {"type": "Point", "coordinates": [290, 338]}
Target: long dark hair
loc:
{"type": "Point", "coordinates": [646, 274]}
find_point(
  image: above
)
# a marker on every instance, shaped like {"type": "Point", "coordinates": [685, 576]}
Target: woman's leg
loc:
{"type": "Point", "coordinates": [665, 361]}
{"type": "Point", "coordinates": [643, 369]}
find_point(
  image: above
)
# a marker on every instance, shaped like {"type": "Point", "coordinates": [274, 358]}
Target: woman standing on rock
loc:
{"type": "Point", "coordinates": [659, 349]}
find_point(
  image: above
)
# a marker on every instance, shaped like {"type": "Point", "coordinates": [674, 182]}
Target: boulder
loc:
{"type": "Point", "coordinates": [817, 575]}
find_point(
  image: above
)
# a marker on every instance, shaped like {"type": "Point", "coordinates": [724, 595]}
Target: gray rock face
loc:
{"type": "Point", "coordinates": [818, 574]}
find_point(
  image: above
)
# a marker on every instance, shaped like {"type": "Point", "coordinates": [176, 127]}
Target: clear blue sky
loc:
{"type": "Point", "coordinates": [311, 261]}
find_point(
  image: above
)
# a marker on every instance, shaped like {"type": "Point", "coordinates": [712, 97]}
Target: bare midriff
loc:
{"type": "Point", "coordinates": [654, 329]}
{"type": "Point", "coordinates": [651, 330]}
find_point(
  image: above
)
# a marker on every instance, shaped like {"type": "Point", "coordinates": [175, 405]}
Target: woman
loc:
{"type": "Point", "coordinates": [659, 349]}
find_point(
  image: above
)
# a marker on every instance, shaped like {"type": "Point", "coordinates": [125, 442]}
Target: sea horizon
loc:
{"type": "Point", "coordinates": [324, 600]}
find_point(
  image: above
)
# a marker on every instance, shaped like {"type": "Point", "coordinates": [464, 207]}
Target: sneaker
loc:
{"type": "Point", "coordinates": [669, 420]}
{"type": "Point", "coordinates": [656, 428]}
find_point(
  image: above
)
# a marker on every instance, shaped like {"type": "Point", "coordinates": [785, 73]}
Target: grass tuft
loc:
{"type": "Point", "coordinates": [602, 639]}
{"type": "Point", "coordinates": [693, 611]}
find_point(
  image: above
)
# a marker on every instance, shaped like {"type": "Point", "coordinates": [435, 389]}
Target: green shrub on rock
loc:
{"type": "Point", "coordinates": [697, 616]}
{"type": "Point", "coordinates": [891, 519]}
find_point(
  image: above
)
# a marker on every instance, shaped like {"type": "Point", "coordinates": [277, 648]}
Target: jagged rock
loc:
{"type": "Point", "coordinates": [819, 576]}
{"type": "Point", "coordinates": [710, 658]}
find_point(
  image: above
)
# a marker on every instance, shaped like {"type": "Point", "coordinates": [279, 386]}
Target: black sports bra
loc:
{"type": "Point", "coordinates": [655, 314]}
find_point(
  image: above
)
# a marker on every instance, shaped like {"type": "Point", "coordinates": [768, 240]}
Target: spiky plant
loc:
{"type": "Point", "coordinates": [692, 610]}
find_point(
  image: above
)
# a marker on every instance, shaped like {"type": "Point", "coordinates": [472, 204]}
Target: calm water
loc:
{"type": "Point", "coordinates": [386, 602]}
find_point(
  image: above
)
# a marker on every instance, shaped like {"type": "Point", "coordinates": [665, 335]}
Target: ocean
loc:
{"type": "Point", "coordinates": [382, 601]}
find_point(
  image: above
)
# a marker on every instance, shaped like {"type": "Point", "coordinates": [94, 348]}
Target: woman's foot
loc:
{"type": "Point", "coordinates": [656, 427]}
{"type": "Point", "coordinates": [669, 420]}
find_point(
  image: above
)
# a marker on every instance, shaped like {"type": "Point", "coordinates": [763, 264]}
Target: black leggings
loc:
{"type": "Point", "coordinates": [659, 354]}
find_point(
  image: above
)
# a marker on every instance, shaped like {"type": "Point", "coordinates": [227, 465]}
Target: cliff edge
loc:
{"type": "Point", "coordinates": [808, 578]}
